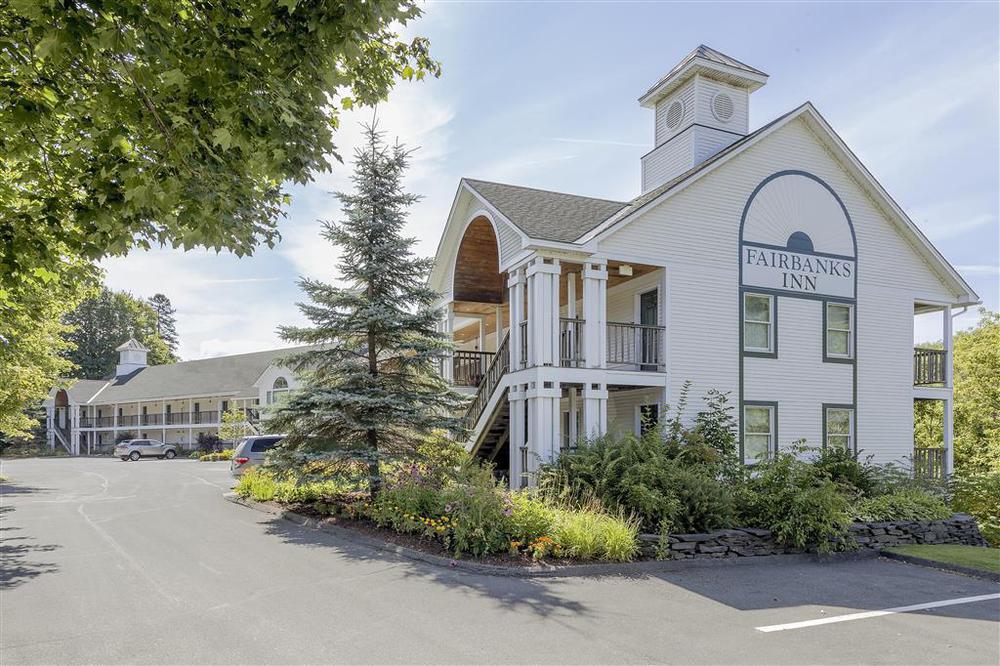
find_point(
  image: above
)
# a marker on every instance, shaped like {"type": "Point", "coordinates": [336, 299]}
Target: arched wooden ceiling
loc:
{"type": "Point", "coordinates": [477, 265]}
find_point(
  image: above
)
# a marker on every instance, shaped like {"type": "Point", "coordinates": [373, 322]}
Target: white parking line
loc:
{"type": "Point", "coordinates": [877, 613]}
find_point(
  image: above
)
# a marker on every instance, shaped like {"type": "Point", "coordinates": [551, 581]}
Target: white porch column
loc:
{"type": "Point", "coordinates": [518, 437]}
{"type": "Point", "coordinates": [543, 320]}
{"type": "Point", "coordinates": [499, 327]}
{"type": "Point", "coordinates": [74, 429]}
{"type": "Point", "coordinates": [949, 402]}
{"type": "Point", "coordinates": [595, 409]}
{"type": "Point", "coordinates": [515, 285]}
{"type": "Point", "coordinates": [114, 423]}
{"type": "Point", "coordinates": [189, 417]}
{"type": "Point", "coordinates": [543, 426]}
{"type": "Point", "coordinates": [595, 288]}
{"type": "Point", "coordinates": [50, 424]}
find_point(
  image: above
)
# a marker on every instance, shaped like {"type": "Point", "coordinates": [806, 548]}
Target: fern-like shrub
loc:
{"type": "Point", "coordinates": [796, 500]}
{"type": "Point", "coordinates": [908, 504]}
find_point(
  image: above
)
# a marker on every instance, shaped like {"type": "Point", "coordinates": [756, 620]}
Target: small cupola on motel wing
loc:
{"type": "Point", "coordinates": [701, 106]}
{"type": "Point", "coordinates": [131, 357]}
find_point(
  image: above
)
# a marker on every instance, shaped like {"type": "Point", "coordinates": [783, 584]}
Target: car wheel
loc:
{"type": "Point", "coordinates": [134, 456]}
{"type": "Point", "coordinates": [171, 454]}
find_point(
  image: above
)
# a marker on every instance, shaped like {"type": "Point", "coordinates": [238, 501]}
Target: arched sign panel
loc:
{"type": "Point", "coordinates": [796, 237]}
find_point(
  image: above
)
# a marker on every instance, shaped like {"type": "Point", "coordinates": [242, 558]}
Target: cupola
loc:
{"type": "Point", "coordinates": [131, 357]}
{"type": "Point", "coordinates": [701, 106]}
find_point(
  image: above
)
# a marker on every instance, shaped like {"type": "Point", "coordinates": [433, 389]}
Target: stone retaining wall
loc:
{"type": "Point", "coordinates": [752, 542]}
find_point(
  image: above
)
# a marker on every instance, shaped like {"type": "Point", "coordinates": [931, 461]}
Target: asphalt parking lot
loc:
{"type": "Point", "coordinates": [112, 562]}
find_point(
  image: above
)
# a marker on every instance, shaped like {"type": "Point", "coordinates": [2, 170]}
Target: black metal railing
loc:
{"type": "Point", "coordinates": [468, 367]}
{"type": "Point", "coordinates": [928, 463]}
{"type": "Point", "coordinates": [499, 366]}
{"type": "Point", "coordinates": [571, 342]}
{"type": "Point", "coordinates": [928, 366]}
{"type": "Point", "coordinates": [636, 345]}
{"type": "Point", "coordinates": [523, 332]}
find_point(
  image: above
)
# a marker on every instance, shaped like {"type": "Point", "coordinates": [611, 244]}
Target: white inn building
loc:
{"type": "Point", "coordinates": [174, 403]}
{"type": "Point", "coordinates": [768, 264]}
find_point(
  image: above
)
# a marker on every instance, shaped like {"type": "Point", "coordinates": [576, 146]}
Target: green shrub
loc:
{"type": "Point", "coordinates": [479, 512]}
{"type": "Point", "coordinates": [256, 485]}
{"type": "Point", "coordinates": [844, 468]}
{"type": "Point", "coordinates": [979, 496]}
{"type": "Point", "coordinates": [643, 476]}
{"type": "Point", "coordinates": [796, 500]}
{"type": "Point", "coordinates": [590, 533]}
{"type": "Point", "coordinates": [225, 454]}
{"type": "Point", "coordinates": [907, 504]}
{"type": "Point", "coordinates": [703, 504]}
{"type": "Point", "coordinates": [407, 497]}
{"type": "Point", "coordinates": [531, 518]}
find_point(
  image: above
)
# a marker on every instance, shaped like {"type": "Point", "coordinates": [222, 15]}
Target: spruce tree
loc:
{"type": "Point", "coordinates": [166, 325]}
{"type": "Point", "coordinates": [370, 389]}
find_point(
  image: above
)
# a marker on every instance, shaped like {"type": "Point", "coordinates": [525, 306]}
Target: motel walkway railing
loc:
{"type": "Point", "coordinates": [499, 365]}
{"type": "Point", "coordinates": [928, 366]}
{"type": "Point", "coordinates": [928, 463]}
{"type": "Point", "coordinates": [468, 367]}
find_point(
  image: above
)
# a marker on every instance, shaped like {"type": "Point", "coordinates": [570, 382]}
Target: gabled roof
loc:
{"type": "Point", "coordinates": [705, 60]}
{"type": "Point", "coordinates": [567, 218]}
{"type": "Point", "coordinates": [543, 214]}
{"type": "Point", "coordinates": [226, 375]}
{"type": "Point", "coordinates": [81, 390]}
{"type": "Point", "coordinates": [131, 345]}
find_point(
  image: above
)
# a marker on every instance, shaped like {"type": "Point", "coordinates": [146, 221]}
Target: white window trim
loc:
{"type": "Point", "coordinates": [770, 323]}
{"type": "Point", "coordinates": [850, 426]}
{"type": "Point", "coordinates": [849, 330]}
{"type": "Point", "coordinates": [772, 434]}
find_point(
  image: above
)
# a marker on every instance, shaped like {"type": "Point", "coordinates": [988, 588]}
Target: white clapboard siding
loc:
{"type": "Point", "coordinates": [695, 232]}
{"type": "Point", "coordinates": [798, 380]}
{"type": "Point", "coordinates": [509, 241]}
{"type": "Point", "coordinates": [686, 95]}
{"type": "Point", "coordinates": [668, 160]}
{"type": "Point", "coordinates": [622, 407]}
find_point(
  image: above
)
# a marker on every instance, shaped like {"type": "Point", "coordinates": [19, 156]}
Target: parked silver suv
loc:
{"type": "Point", "coordinates": [250, 452]}
{"type": "Point", "coordinates": [133, 449]}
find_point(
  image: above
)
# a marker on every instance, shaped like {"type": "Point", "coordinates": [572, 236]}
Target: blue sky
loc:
{"type": "Point", "coordinates": [544, 95]}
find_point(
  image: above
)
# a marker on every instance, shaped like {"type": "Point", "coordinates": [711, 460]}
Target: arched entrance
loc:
{"type": "Point", "coordinates": [479, 302]}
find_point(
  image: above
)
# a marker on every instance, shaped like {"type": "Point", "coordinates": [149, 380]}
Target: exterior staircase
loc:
{"type": "Point", "coordinates": [62, 434]}
{"type": "Point", "coordinates": [488, 415]}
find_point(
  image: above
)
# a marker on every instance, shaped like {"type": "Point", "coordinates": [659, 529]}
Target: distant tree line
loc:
{"type": "Point", "coordinates": [102, 323]}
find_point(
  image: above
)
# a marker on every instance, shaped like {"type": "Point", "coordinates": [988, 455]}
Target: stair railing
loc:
{"type": "Point", "coordinates": [491, 378]}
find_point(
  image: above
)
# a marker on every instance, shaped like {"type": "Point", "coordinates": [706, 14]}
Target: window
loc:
{"type": "Point", "coordinates": [279, 388]}
{"type": "Point", "coordinates": [758, 431]}
{"type": "Point", "coordinates": [839, 320]}
{"type": "Point", "coordinates": [261, 445]}
{"type": "Point", "coordinates": [758, 323]}
{"type": "Point", "coordinates": [649, 418]}
{"type": "Point", "coordinates": [225, 406]}
{"type": "Point", "coordinates": [839, 427]}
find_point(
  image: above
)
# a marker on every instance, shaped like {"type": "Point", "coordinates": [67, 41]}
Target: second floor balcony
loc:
{"type": "Point", "coordinates": [166, 420]}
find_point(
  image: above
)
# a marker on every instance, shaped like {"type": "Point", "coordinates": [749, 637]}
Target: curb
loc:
{"type": "Point", "coordinates": [543, 570]}
{"type": "Point", "coordinates": [943, 566]}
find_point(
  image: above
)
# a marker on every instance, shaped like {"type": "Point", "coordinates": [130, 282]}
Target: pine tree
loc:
{"type": "Point", "coordinates": [370, 391]}
{"type": "Point", "coordinates": [166, 325]}
{"type": "Point", "coordinates": [101, 323]}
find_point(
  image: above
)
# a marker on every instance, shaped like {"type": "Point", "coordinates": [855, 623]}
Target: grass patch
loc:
{"type": "Point", "coordinates": [973, 557]}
